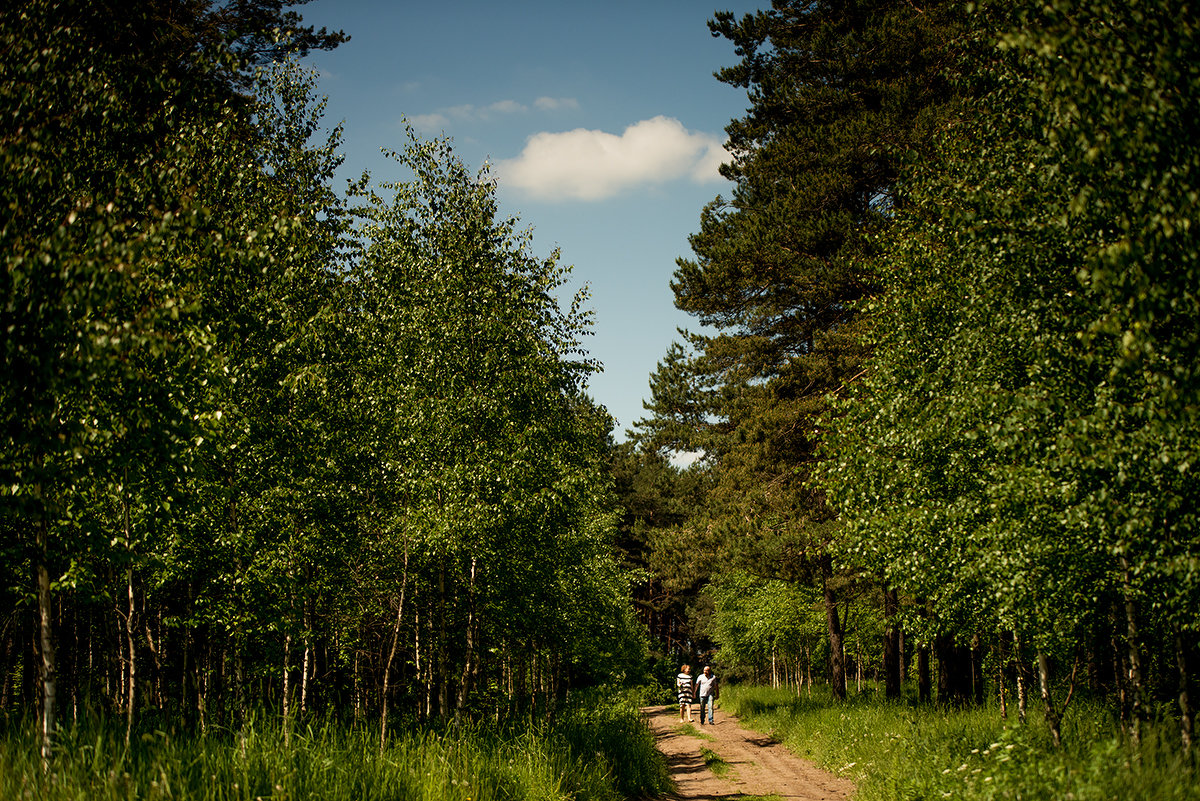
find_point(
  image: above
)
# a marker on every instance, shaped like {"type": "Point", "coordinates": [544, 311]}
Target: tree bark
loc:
{"type": "Point", "coordinates": [131, 693]}
{"type": "Point", "coordinates": [1022, 691]}
{"type": "Point", "coordinates": [304, 667]}
{"type": "Point", "coordinates": [977, 677]}
{"type": "Point", "coordinates": [46, 641]}
{"type": "Point", "coordinates": [837, 663]}
{"type": "Point", "coordinates": [1054, 715]}
{"type": "Point", "coordinates": [387, 669]}
{"type": "Point", "coordinates": [1185, 707]}
{"type": "Point", "coordinates": [1053, 718]}
{"type": "Point", "coordinates": [469, 655]}
{"type": "Point", "coordinates": [287, 728]}
{"type": "Point", "coordinates": [891, 644]}
{"type": "Point", "coordinates": [1000, 682]}
{"type": "Point", "coordinates": [443, 657]}
{"type": "Point", "coordinates": [1135, 660]}
{"type": "Point", "coordinates": [924, 685]}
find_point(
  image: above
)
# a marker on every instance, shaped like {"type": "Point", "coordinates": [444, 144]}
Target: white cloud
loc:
{"type": "Point", "coordinates": [468, 112]}
{"type": "Point", "coordinates": [464, 112]}
{"type": "Point", "coordinates": [592, 165]}
{"type": "Point", "coordinates": [428, 122]}
{"type": "Point", "coordinates": [505, 107]}
{"type": "Point", "coordinates": [555, 103]}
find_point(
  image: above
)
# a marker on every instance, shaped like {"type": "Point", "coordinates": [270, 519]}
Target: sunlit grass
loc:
{"type": "Point", "coordinates": [605, 754]}
{"type": "Point", "coordinates": [896, 750]}
{"type": "Point", "coordinates": [689, 730]}
{"type": "Point", "coordinates": [714, 762]}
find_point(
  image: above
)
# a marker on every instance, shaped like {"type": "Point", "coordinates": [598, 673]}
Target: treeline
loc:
{"type": "Point", "coordinates": [266, 445]}
{"type": "Point", "coordinates": [952, 376]}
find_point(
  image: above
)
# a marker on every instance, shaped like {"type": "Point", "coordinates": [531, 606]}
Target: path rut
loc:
{"type": "Point", "coordinates": [759, 766]}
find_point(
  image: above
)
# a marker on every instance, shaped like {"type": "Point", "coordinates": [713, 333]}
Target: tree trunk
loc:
{"type": "Point", "coordinates": [156, 654]}
{"type": "Point", "coordinates": [443, 657]}
{"type": "Point", "coordinates": [1003, 692]}
{"type": "Point", "coordinates": [955, 671]}
{"type": "Point", "coordinates": [202, 685]}
{"type": "Point", "coordinates": [417, 657]}
{"type": "Point", "coordinates": [1185, 708]}
{"type": "Point", "coordinates": [287, 647]}
{"type": "Point", "coordinates": [1053, 716]}
{"type": "Point", "coordinates": [977, 683]}
{"type": "Point", "coordinates": [837, 662]}
{"type": "Point", "coordinates": [891, 645]}
{"type": "Point", "coordinates": [304, 667]}
{"type": "Point", "coordinates": [355, 684]}
{"type": "Point", "coordinates": [924, 685]}
{"type": "Point", "coordinates": [1000, 682]}
{"type": "Point", "coordinates": [239, 677]}
{"type": "Point", "coordinates": [46, 641]}
{"type": "Point", "coordinates": [131, 693]}
{"type": "Point", "coordinates": [858, 664]}
{"type": "Point", "coordinates": [464, 684]}
{"type": "Point", "coordinates": [808, 668]}
{"type": "Point", "coordinates": [387, 669]}
{"type": "Point", "coordinates": [1135, 661]}
{"type": "Point", "coordinates": [1022, 690]}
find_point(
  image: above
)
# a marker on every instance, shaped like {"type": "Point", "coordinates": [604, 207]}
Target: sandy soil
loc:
{"type": "Point", "coordinates": [758, 765]}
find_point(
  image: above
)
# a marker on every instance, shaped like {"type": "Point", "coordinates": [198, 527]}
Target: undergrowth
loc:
{"type": "Point", "coordinates": [900, 750]}
{"type": "Point", "coordinates": [713, 761]}
{"type": "Point", "coordinates": [600, 751]}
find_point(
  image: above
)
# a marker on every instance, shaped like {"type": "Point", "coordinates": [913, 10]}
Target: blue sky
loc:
{"type": "Point", "coordinates": [601, 120]}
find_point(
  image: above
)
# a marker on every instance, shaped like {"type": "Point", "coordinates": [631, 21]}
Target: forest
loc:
{"type": "Point", "coordinates": [946, 394]}
{"type": "Point", "coordinates": [264, 445]}
{"type": "Point", "coordinates": [274, 449]}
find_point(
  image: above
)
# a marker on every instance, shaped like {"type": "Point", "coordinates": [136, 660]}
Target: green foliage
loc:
{"type": "Point", "coordinates": [689, 730]}
{"type": "Point", "coordinates": [1019, 457]}
{"type": "Point", "coordinates": [713, 761]}
{"type": "Point", "coordinates": [900, 750]}
{"type": "Point", "coordinates": [756, 619]}
{"type": "Point", "coordinates": [604, 752]}
{"type": "Point", "coordinates": [263, 444]}
{"type": "Point", "coordinates": [839, 95]}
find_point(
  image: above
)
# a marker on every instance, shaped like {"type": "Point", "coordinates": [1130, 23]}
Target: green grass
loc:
{"type": "Point", "coordinates": [689, 730]}
{"type": "Point", "coordinates": [897, 750]}
{"type": "Point", "coordinates": [595, 752]}
{"type": "Point", "coordinates": [713, 762]}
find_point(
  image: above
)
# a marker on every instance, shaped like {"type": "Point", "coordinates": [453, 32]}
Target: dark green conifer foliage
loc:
{"type": "Point", "coordinates": [840, 94]}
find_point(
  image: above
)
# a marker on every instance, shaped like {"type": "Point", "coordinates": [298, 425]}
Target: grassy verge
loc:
{"type": "Point", "coordinates": [896, 750]}
{"type": "Point", "coordinates": [688, 730]}
{"type": "Point", "coordinates": [598, 752]}
{"type": "Point", "coordinates": [713, 762]}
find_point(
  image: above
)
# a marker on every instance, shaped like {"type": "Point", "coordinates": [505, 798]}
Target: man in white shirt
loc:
{"type": "Point", "coordinates": [706, 689]}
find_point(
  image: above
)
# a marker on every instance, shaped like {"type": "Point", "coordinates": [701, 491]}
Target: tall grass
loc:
{"type": "Point", "coordinates": [898, 750]}
{"type": "Point", "coordinates": [604, 752]}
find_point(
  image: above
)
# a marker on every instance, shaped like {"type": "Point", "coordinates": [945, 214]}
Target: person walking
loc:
{"type": "Point", "coordinates": [707, 688]}
{"type": "Point", "coordinates": [683, 688]}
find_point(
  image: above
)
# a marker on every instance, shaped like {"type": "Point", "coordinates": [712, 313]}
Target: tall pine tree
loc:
{"type": "Point", "coordinates": [840, 94]}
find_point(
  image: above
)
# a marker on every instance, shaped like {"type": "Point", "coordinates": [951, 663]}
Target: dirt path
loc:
{"type": "Point", "coordinates": [758, 766]}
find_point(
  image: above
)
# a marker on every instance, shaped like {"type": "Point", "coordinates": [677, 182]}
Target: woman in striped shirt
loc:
{"type": "Point", "coordinates": [683, 687]}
